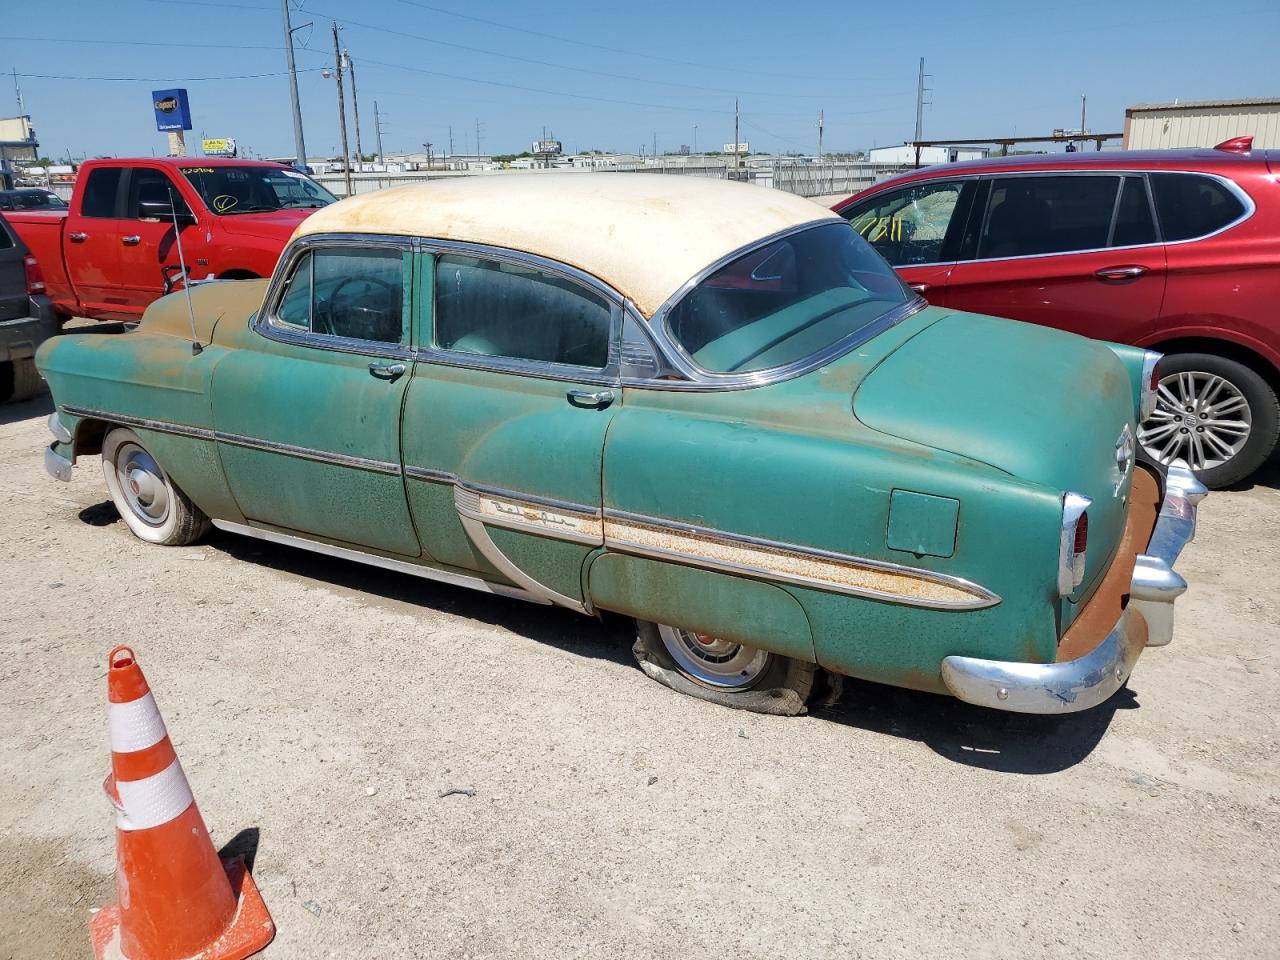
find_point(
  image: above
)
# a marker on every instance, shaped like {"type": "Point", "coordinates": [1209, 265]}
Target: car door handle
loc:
{"type": "Point", "coordinates": [131, 241]}
{"type": "Point", "coordinates": [387, 371]}
{"type": "Point", "coordinates": [590, 398]}
{"type": "Point", "coordinates": [1120, 274]}
{"type": "Point", "coordinates": [77, 237]}
{"type": "Point", "coordinates": [920, 287]}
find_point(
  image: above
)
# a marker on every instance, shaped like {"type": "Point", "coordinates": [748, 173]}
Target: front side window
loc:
{"type": "Point", "coordinates": [785, 301]}
{"type": "Point", "coordinates": [152, 195]}
{"type": "Point", "coordinates": [908, 226]}
{"type": "Point", "coordinates": [231, 190]}
{"type": "Point", "coordinates": [100, 192]}
{"type": "Point", "coordinates": [1193, 206]}
{"type": "Point", "coordinates": [349, 293]}
{"type": "Point", "coordinates": [1027, 216]}
{"type": "Point", "coordinates": [494, 308]}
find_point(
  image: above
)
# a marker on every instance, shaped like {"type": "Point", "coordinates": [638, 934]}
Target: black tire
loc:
{"type": "Point", "coordinates": [1262, 413]}
{"type": "Point", "coordinates": [178, 524]}
{"type": "Point", "coordinates": [19, 380]}
{"type": "Point", "coordinates": [778, 685]}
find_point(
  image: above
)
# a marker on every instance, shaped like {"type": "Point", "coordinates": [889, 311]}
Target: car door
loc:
{"type": "Point", "coordinates": [91, 242]}
{"type": "Point", "coordinates": [149, 243]}
{"type": "Point", "coordinates": [917, 229]}
{"type": "Point", "coordinates": [308, 420]}
{"type": "Point", "coordinates": [14, 300]}
{"type": "Point", "coordinates": [1077, 251]}
{"type": "Point", "coordinates": [505, 418]}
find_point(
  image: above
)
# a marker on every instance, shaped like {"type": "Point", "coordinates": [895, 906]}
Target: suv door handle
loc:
{"type": "Point", "coordinates": [131, 241]}
{"type": "Point", "coordinates": [77, 237]}
{"type": "Point", "coordinates": [590, 398]}
{"type": "Point", "coordinates": [387, 371]}
{"type": "Point", "coordinates": [1120, 274]}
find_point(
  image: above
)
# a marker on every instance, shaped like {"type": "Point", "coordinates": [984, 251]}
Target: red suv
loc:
{"type": "Point", "coordinates": [1176, 250]}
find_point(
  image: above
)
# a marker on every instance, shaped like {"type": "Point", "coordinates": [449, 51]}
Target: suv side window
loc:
{"type": "Point", "coordinates": [498, 309]}
{"type": "Point", "coordinates": [151, 186]}
{"type": "Point", "coordinates": [910, 226]}
{"type": "Point", "coordinates": [1190, 205]}
{"type": "Point", "coordinates": [351, 293]}
{"type": "Point", "coordinates": [100, 192]}
{"type": "Point", "coordinates": [1134, 223]}
{"type": "Point", "coordinates": [1032, 215]}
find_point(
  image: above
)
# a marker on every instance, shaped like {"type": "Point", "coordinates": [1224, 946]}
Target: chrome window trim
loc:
{"type": "Point", "coordinates": [701, 379]}
{"type": "Point", "coordinates": [267, 323]}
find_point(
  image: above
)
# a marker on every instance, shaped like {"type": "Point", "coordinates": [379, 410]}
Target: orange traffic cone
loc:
{"type": "Point", "coordinates": [177, 900]}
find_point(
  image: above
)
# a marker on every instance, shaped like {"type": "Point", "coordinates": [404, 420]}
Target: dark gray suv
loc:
{"type": "Point", "coordinates": [26, 317]}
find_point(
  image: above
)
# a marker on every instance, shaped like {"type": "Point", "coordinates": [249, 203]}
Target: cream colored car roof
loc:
{"type": "Point", "coordinates": [643, 234]}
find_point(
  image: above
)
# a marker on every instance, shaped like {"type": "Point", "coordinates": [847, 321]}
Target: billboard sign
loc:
{"type": "Point", "coordinates": [218, 146]}
{"type": "Point", "coordinates": [737, 148]}
{"type": "Point", "coordinates": [545, 148]}
{"type": "Point", "coordinates": [172, 110]}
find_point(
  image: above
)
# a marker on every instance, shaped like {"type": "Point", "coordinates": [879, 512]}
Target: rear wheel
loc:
{"type": "Point", "coordinates": [149, 502]}
{"type": "Point", "coordinates": [1218, 415]}
{"type": "Point", "coordinates": [723, 671]}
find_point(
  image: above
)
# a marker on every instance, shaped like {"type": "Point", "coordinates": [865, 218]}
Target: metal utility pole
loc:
{"type": "Point", "coordinates": [655, 143]}
{"type": "Point", "coordinates": [299, 145]}
{"type": "Point", "coordinates": [342, 111]}
{"type": "Point", "coordinates": [1082, 103]}
{"type": "Point", "coordinates": [355, 106]}
{"type": "Point", "coordinates": [451, 140]}
{"type": "Point", "coordinates": [17, 92]}
{"type": "Point", "coordinates": [477, 138]}
{"type": "Point", "coordinates": [695, 138]}
{"type": "Point", "coordinates": [820, 124]}
{"type": "Point", "coordinates": [377, 128]}
{"type": "Point", "coordinates": [737, 152]}
{"type": "Point", "coordinates": [920, 103]}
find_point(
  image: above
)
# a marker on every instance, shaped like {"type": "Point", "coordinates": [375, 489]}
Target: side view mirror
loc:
{"type": "Point", "coordinates": [162, 210]}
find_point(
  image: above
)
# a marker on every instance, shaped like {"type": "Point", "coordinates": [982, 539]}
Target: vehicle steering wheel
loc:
{"type": "Point", "coordinates": [371, 317]}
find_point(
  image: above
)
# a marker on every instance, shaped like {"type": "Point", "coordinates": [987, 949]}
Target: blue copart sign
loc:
{"type": "Point", "coordinates": [172, 110]}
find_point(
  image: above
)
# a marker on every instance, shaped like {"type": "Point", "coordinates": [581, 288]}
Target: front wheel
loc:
{"type": "Point", "coordinates": [1218, 415]}
{"type": "Point", "coordinates": [149, 502]}
{"type": "Point", "coordinates": [723, 671]}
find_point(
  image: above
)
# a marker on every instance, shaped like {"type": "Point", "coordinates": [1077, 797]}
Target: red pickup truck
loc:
{"type": "Point", "coordinates": [114, 251]}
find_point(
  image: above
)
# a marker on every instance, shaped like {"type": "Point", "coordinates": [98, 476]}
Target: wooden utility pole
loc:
{"type": "Point", "coordinates": [737, 149]}
{"type": "Point", "coordinates": [355, 106]}
{"type": "Point", "coordinates": [819, 134]}
{"type": "Point", "coordinates": [342, 110]}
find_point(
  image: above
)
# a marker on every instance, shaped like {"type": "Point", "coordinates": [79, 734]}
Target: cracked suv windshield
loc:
{"type": "Point", "coordinates": [231, 190]}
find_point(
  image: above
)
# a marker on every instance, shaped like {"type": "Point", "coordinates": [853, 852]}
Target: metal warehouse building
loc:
{"type": "Point", "coordinates": [1202, 123]}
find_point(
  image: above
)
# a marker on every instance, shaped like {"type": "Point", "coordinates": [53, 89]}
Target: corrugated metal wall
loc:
{"type": "Point", "coordinates": [1203, 127]}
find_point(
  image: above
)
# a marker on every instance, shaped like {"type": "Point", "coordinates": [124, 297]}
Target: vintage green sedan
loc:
{"type": "Point", "coordinates": [707, 406]}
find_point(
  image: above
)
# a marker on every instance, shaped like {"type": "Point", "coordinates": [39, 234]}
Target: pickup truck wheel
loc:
{"type": "Point", "coordinates": [19, 380]}
{"type": "Point", "coordinates": [149, 502]}
{"type": "Point", "coordinates": [722, 671]}
{"type": "Point", "coordinates": [1218, 415]}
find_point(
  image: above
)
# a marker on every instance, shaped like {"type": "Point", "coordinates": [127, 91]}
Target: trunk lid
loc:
{"type": "Point", "coordinates": [1039, 404]}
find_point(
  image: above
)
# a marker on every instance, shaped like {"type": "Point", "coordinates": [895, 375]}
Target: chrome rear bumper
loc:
{"type": "Point", "coordinates": [1074, 685]}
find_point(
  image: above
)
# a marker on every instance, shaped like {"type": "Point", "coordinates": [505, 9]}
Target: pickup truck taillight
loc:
{"type": "Point", "coordinates": [35, 279]}
{"type": "Point", "coordinates": [1150, 384]}
{"type": "Point", "coordinates": [1074, 541]}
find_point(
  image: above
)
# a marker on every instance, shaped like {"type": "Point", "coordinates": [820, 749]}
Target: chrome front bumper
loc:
{"type": "Point", "coordinates": [1075, 685]}
{"type": "Point", "coordinates": [55, 464]}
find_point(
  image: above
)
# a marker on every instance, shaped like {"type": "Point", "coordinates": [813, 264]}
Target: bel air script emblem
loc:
{"type": "Point", "coordinates": [1125, 451]}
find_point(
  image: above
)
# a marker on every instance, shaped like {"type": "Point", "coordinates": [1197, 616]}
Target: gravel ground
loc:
{"type": "Point", "coordinates": [321, 708]}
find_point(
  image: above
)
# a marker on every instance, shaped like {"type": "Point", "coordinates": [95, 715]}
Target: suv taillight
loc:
{"type": "Point", "coordinates": [1073, 543]}
{"type": "Point", "coordinates": [35, 279]}
{"type": "Point", "coordinates": [1150, 384]}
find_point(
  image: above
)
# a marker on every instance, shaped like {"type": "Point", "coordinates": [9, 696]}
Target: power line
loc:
{"type": "Point", "coordinates": [242, 76]}
{"type": "Point", "coordinates": [151, 43]}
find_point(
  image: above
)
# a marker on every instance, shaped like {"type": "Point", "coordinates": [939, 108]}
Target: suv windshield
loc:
{"type": "Point", "coordinates": [785, 301]}
{"type": "Point", "coordinates": [231, 190]}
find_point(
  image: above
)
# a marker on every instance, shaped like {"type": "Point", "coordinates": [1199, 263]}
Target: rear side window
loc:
{"type": "Point", "coordinates": [1027, 216]}
{"type": "Point", "coordinates": [1134, 223]}
{"type": "Point", "coordinates": [498, 309]}
{"type": "Point", "coordinates": [100, 192]}
{"type": "Point", "coordinates": [348, 293]}
{"type": "Point", "coordinates": [1191, 205]}
{"type": "Point", "coordinates": [908, 226]}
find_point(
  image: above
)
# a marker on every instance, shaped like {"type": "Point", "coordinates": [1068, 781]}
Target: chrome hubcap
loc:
{"type": "Point", "coordinates": [142, 483]}
{"type": "Point", "coordinates": [1199, 417]}
{"type": "Point", "coordinates": [713, 661]}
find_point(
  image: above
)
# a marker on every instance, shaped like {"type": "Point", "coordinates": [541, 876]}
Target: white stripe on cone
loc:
{"type": "Point", "coordinates": [153, 801]}
{"type": "Point", "coordinates": [135, 725]}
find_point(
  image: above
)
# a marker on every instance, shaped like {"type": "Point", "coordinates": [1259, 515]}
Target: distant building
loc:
{"type": "Point", "coordinates": [1202, 123]}
{"type": "Point", "coordinates": [906, 154]}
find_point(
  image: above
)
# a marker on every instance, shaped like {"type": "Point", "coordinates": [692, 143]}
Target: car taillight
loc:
{"type": "Point", "coordinates": [35, 279]}
{"type": "Point", "coordinates": [1150, 384]}
{"type": "Point", "coordinates": [1074, 542]}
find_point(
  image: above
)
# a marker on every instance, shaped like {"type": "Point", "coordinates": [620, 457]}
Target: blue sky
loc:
{"type": "Point", "coordinates": [612, 76]}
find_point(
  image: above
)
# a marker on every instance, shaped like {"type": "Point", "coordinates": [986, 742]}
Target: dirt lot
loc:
{"type": "Point", "coordinates": [320, 708]}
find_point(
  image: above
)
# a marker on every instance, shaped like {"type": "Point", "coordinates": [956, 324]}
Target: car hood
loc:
{"type": "Point", "coordinates": [269, 224]}
{"type": "Point", "coordinates": [210, 302]}
{"type": "Point", "coordinates": [1041, 405]}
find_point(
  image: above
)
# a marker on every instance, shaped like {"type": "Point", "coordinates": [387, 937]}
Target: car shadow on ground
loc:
{"type": "Point", "coordinates": [956, 731]}
{"type": "Point", "coordinates": [1267, 475]}
{"type": "Point", "coordinates": [40, 405]}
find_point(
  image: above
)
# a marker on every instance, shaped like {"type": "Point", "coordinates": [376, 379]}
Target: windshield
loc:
{"type": "Point", "coordinates": [231, 190]}
{"type": "Point", "coordinates": [786, 301]}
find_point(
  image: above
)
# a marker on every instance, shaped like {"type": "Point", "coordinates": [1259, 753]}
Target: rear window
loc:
{"type": "Point", "coordinates": [785, 301]}
{"type": "Point", "coordinates": [100, 192]}
{"type": "Point", "coordinates": [1190, 205]}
